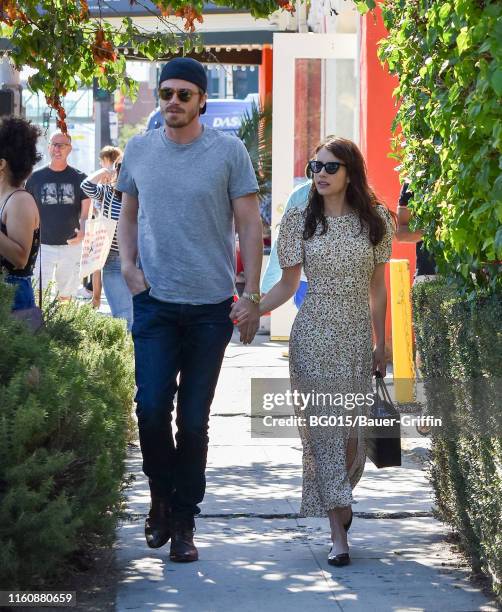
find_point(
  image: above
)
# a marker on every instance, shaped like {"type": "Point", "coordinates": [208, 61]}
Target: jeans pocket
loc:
{"type": "Point", "coordinates": [141, 293]}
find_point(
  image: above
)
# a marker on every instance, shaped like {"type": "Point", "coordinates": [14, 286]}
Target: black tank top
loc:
{"type": "Point", "coordinates": [35, 245]}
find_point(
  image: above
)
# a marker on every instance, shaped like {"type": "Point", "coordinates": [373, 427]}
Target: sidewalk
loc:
{"type": "Point", "coordinates": [256, 554]}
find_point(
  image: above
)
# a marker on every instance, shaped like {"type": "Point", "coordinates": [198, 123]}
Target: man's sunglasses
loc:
{"type": "Point", "coordinates": [331, 167]}
{"type": "Point", "coordinates": [184, 95]}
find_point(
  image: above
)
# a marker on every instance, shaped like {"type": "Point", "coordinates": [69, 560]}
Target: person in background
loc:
{"type": "Point", "coordinates": [101, 186]}
{"type": "Point", "coordinates": [107, 158]}
{"type": "Point", "coordinates": [425, 264]}
{"type": "Point", "coordinates": [19, 216]}
{"type": "Point", "coordinates": [297, 199]}
{"type": "Point", "coordinates": [63, 208]}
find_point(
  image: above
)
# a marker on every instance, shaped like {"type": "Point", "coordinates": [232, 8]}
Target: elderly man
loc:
{"type": "Point", "coordinates": [63, 210]}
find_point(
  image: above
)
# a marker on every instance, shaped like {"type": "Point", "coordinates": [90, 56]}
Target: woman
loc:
{"type": "Point", "coordinates": [19, 218]}
{"type": "Point", "coordinates": [107, 158]}
{"type": "Point", "coordinates": [343, 240]}
{"type": "Point", "coordinates": [100, 187]}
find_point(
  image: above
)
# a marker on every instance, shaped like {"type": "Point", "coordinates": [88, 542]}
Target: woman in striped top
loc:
{"type": "Point", "coordinates": [101, 187]}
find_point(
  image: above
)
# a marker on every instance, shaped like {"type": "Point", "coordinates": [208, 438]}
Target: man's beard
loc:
{"type": "Point", "coordinates": [180, 120]}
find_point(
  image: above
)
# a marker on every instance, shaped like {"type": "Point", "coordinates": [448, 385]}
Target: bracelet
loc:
{"type": "Point", "coordinates": [252, 297]}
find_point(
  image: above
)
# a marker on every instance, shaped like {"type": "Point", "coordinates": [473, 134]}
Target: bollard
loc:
{"type": "Point", "coordinates": [402, 334]}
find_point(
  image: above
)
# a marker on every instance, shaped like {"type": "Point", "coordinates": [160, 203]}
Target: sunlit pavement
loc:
{"type": "Point", "coordinates": [257, 554]}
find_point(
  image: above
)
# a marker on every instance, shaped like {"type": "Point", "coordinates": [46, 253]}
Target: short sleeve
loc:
{"type": "Point", "coordinates": [290, 240]}
{"type": "Point", "coordinates": [126, 182]}
{"type": "Point", "coordinates": [382, 251]}
{"type": "Point", "coordinates": [242, 179]}
{"type": "Point", "coordinates": [81, 193]}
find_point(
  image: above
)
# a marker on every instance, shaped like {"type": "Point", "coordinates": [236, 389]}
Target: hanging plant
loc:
{"type": "Point", "coordinates": [68, 47]}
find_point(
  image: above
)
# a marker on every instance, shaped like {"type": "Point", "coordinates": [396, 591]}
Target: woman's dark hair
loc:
{"type": "Point", "coordinates": [18, 146]}
{"type": "Point", "coordinates": [360, 196]}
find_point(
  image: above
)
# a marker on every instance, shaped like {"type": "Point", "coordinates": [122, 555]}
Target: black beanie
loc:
{"type": "Point", "coordinates": [187, 69]}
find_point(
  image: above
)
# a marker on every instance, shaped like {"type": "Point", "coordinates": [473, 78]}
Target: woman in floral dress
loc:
{"type": "Point", "coordinates": [342, 240]}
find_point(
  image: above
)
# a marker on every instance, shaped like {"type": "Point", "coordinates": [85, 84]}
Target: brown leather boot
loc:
{"type": "Point", "coordinates": [158, 522]}
{"type": "Point", "coordinates": [183, 549]}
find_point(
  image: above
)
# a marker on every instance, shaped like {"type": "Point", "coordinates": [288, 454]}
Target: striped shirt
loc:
{"type": "Point", "coordinates": [106, 196]}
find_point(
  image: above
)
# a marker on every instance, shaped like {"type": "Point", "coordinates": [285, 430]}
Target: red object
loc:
{"type": "Point", "coordinates": [265, 75]}
{"type": "Point", "coordinates": [239, 266]}
{"type": "Point", "coordinates": [378, 109]}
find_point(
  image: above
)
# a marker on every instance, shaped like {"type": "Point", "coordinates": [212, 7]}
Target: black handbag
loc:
{"type": "Point", "coordinates": [383, 440]}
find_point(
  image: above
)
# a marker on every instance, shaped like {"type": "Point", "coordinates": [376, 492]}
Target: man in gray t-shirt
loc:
{"type": "Point", "coordinates": [184, 185]}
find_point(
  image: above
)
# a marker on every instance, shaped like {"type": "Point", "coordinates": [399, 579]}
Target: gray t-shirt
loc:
{"type": "Point", "coordinates": [186, 236]}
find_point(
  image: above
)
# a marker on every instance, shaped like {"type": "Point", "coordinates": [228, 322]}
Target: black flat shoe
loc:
{"type": "Point", "coordinates": [338, 560]}
{"type": "Point", "coordinates": [347, 526]}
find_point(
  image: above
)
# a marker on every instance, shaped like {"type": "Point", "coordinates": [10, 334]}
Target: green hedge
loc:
{"type": "Point", "coordinates": [65, 416]}
{"type": "Point", "coordinates": [460, 344]}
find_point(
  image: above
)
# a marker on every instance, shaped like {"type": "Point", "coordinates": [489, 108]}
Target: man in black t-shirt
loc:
{"type": "Point", "coordinates": [425, 265]}
{"type": "Point", "coordinates": [63, 210]}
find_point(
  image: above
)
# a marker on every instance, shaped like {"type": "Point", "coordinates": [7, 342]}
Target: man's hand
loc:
{"type": "Point", "coordinates": [77, 239]}
{"type": "Point", "coordinates": [247, 316]}
{"type": "Point", "coordinates": [135, 279]}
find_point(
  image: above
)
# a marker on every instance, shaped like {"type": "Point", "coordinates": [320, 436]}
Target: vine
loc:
{"type": "Point", "coordinates": [68, 47]}
{"type": "Point", "coordinates": [448, 58]}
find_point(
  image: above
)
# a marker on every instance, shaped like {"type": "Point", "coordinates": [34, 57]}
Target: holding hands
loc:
{"type": "Point", "coordinates": [245, 314]}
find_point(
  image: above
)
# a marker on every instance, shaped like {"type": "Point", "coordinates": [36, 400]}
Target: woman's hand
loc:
{"type": "Point", "coordinates": [379, 362]}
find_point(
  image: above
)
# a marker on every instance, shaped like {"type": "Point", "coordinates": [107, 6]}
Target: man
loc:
{"type": "Point", "coordinates": [183, 185]}
{"type": "Point", "coordinates": [63, 210]}
{"type": "Point", "coordinates": [425, 264]}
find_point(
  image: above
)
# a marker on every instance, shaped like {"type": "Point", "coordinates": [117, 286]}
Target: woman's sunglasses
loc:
{"type": "Point", "coordinates": [331, 167]}
{"type": "Point", "coordinates": [184, 95]}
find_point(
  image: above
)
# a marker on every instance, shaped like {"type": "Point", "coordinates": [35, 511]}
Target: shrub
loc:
{"type": "Point", "coordinates": [65, 405]}
{"type": "Point", "coordinates": [461, 347]}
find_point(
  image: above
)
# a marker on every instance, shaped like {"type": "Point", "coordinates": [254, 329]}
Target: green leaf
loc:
{"type": "Point", "coordinates": [464, 39]}
{"type": "Point", "coordinates": [496, 81]}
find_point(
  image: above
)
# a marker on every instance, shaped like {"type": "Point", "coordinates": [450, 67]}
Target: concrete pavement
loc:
{"type": "Point", "coordinates": [257, 554]}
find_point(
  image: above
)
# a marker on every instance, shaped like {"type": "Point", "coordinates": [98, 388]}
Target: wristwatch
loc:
{"type": "Point", "coordinates": [252, 297]}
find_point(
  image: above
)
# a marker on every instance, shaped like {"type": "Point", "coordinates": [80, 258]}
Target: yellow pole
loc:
{"type": "Point", "coordinates": [402, 335]}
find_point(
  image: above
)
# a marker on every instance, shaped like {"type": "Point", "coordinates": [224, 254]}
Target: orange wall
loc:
{"type": "Point", "coordinates": [378, 110]}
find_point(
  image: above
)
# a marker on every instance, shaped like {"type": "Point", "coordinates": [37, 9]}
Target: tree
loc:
{"type": "Point", "coordinates": [68, 47]}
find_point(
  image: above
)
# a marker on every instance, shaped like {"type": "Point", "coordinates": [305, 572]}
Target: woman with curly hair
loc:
{"type": "Point", "coordinates": [19, 218]}
{"type": "Point", "coordinates": [342, 240]}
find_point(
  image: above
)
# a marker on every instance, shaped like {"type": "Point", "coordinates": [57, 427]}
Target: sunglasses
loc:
{"type": "Point", "coordinates": [184, 95]}
{"type": "Point", "coordinates": [331, 167]}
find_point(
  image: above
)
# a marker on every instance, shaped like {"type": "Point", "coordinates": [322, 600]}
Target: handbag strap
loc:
{"type": "Point", "coordinates": [382, 387]}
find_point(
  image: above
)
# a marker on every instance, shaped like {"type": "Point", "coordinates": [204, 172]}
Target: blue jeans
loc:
{"type": "Point", "coordinates": [116, 290]}
{"type": "Point", "coordinates": [24, 296]}
{"type": "Point", "coordinates": [171, 339]}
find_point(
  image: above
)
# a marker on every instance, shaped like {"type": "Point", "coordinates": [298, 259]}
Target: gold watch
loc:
{"type": "Point", "coordinates": [252, 297]}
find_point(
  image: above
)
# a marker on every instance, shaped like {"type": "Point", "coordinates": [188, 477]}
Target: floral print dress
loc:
{"type": "Point", "coordinates": [331, 347]}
